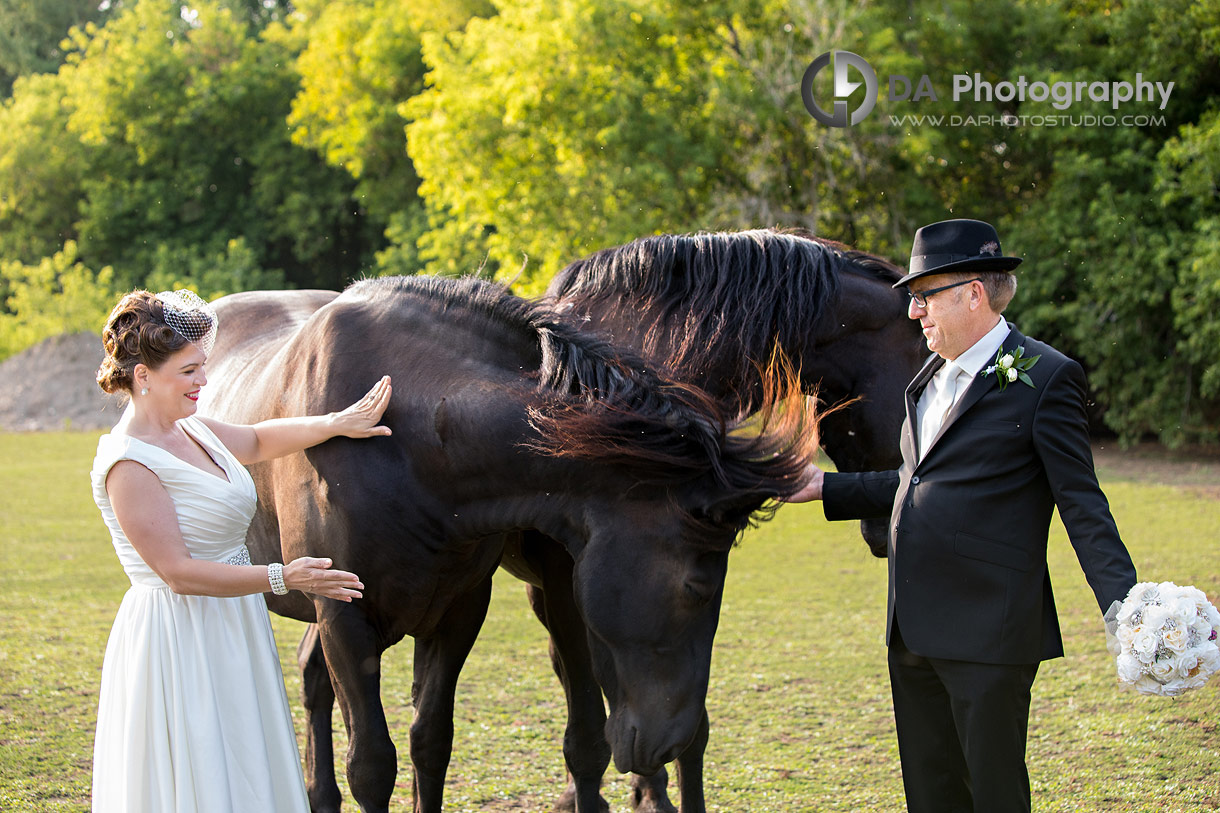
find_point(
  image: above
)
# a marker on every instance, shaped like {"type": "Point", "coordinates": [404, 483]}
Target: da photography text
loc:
{"type": "Point", "coordinates": [851, 72]}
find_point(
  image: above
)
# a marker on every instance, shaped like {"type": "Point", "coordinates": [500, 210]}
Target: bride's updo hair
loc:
{"type": "Point", "coordinates": [135, 333]}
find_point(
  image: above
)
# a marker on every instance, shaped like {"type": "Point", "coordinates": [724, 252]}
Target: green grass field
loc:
{"type": "Point", "coordinates": [799, 698]}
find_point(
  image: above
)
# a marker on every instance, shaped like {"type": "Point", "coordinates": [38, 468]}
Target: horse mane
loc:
{"type": "Point", "coordinates": [720, 295]}
{"type": "Point", "coordinates": [607, 404]}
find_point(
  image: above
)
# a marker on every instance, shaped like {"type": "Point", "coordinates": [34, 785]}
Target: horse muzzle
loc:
{"type": "Point", "coordinates": [644, 748]}
{"type": "Point", "coordinates": [876, 533]}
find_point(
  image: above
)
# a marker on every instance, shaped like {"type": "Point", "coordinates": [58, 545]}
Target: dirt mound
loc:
{"type": "Point", "coordinates": [52, 386]}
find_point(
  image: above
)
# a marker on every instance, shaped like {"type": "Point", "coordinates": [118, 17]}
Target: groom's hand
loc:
{"type": "Point", "coordinates": [811, 489]}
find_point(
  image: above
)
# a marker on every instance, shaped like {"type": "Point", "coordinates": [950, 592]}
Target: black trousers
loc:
{"type": "Point", "coordinates": [961, 732]}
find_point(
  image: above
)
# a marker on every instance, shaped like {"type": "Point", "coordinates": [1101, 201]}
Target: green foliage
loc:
{"type": "Point", "coordinates": [57, 295]}
{"type": "Point", "coordinates": [404, 233]}
{"type": "Point", "coordinates": [211, 276]}
{"type": "Point", "coordinates": [554, 129]}
{"type": "Point", "coordinates": [778, 167]}
{"type": "Point", "coordinates": [362, 61]}
{"type": "Point", "coordinates": [444, 16]}
{"type": "Point", "coordinates": [184, 120]}
{"type": "Point", "coordinates": [1091, 287]}
{"type": "Point", "coordinates": [31, 33]}
{"type": "Point", "coordinates": [42, 171]}
{"type": "Point", "coordinates": [1189, 179]}
{"type": "Point", "coordinates": [1111, 266]}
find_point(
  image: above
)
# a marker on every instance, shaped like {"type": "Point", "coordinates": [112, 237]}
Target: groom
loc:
{"type": "Point", "coordinates": [995, 438]}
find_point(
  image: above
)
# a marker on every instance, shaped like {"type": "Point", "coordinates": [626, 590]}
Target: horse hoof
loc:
{"type": "Point", "coordinates": [567, 803]}
{"type": "Point", "coordinates": [652, 804]}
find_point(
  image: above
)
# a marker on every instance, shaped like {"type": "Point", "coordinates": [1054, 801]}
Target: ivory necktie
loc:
{"type": "Point", "coordinates": [939, 406]}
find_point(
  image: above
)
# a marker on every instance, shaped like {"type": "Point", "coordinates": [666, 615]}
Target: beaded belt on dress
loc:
{"type": "Point", "coordinates": [242, 557]}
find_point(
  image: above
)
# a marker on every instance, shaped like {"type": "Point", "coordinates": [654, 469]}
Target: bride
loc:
{"type": "Point", "coordinates": [193, 715]}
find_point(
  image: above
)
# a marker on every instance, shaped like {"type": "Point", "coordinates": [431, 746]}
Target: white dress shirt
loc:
{"type": "Point", "coordinates": [951, 381]}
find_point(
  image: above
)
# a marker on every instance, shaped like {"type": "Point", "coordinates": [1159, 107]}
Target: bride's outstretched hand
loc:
{"type": "Point", "coordinates": [312, 575]}
{"type": "Point", "coordinates": [360, 419]}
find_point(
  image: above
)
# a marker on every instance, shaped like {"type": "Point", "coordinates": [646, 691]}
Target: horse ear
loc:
{"type": "Point", "coordinates": [734, 511]}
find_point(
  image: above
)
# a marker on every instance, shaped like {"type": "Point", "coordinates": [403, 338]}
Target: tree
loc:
{"type": "Point", "coordinates": [1109, 260]}
{"type": "Point", "coordinates": [31, 32]}
{"type": "Point", "coordinates": [183, 119]}
{"type": "Point", "coordinates": [42, 170]}
{"type": "Point", "coordinates": [362, 60]}
{"type": "Point", "coordinates": [782, 168]}
{"type": "Point", "coordinates": [1189, 179]}
{"type": "Point", "coordinates": [56, 295]}
{"type": "Point", "coordinates": [212, 275]}
{"type": "Point", "coordinates": [556, 128]}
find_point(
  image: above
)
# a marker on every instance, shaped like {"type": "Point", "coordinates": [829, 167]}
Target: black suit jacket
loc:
{"type": "Point", "coordinates": [969, 521]}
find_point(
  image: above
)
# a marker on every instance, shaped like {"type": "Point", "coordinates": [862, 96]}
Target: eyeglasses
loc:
{"type": "Point", "coordinates": [921, 298]}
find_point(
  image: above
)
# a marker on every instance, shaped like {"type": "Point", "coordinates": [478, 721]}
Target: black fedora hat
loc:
{"type": "Point", "coordinates": [956, 245]}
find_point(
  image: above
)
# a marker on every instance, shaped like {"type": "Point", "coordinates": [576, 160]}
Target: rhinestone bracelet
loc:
{"type": "Point", "coordinates": [275, 575]}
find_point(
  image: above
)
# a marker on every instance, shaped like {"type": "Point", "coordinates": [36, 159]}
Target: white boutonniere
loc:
{"type": "Point", "coordinates": [1010, 367]}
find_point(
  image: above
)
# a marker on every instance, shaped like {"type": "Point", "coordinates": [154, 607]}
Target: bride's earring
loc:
{"type": "Point", "coordinates": [144, 391]}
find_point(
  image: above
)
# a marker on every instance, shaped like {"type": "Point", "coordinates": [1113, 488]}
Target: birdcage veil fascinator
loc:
{"type": "Point", "coordinates": [190, 317]}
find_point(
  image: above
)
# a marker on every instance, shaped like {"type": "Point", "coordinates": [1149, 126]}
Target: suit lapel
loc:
{"type": "Point", "coordinates": [914, 391]}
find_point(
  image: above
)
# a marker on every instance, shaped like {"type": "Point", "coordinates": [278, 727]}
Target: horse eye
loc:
{"type": "Point", "coordinates": [705, 576]}
{"type": "Point", "coordinates": [699, 593]}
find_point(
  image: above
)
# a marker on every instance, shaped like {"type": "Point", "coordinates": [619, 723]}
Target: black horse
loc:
{"type": "Point", "coordinates": [707, 308]}
{"type": "Point", "coordinates": [504, 417]}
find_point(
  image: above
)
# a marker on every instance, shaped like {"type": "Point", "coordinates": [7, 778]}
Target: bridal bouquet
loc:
{"type": "Point", "coordinates": [1166, 639]}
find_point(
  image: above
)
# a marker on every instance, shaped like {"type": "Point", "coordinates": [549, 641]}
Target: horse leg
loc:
{"type": "Point", "coordinates": [318, 699]}
{"type": "Point", "coordinates": [585, 749]}
{"type": "Point", "coordinates": [353, 657]}
{"type": "Point", "coordinates": [690, 771]}
{"type": "Point", "coordinates": [439, 657]}
{"type": "Point", "coordinates": [649, 794]}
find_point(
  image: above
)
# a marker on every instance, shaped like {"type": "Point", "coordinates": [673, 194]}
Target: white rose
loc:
{"type": "Point", "coordinates": [1125, 634]}
{"type": "Point", "coordinates": [1155, 616]}
{"type": "Point", "coordinates": [1176, 639]}
{"type": "Point", "coordinates": [1164, 670]}
{"type": "Point", "coordinates": [1147, 685]}
{"type": "Point", "coordinates": [1194, 594]}
{"type": "Point", "coordinates": [1183, 608]}
{"type": "Point", "coordinates": [1192, 682]}
{"type": "Point", "coordinates": [1144, 644]}
{"type": "Point", "coordinates": [1199, 630]}
{"type": "Point", "coordinates": [1174, 688]}
{"type": "Point", "coordinates": [1209, 659]}
{"type": "Point", "coordinates": [1187, 663]}
{"type": "Point", "coordinates": [1012, 374]}
{"type": "Point", "coordinates": [1129, 668]}
{"type": "Point", "coordinates": [1006, 360]}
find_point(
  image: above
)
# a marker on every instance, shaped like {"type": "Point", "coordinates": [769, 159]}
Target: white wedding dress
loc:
{"type": "Point", "coordinates": [193, 715]}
